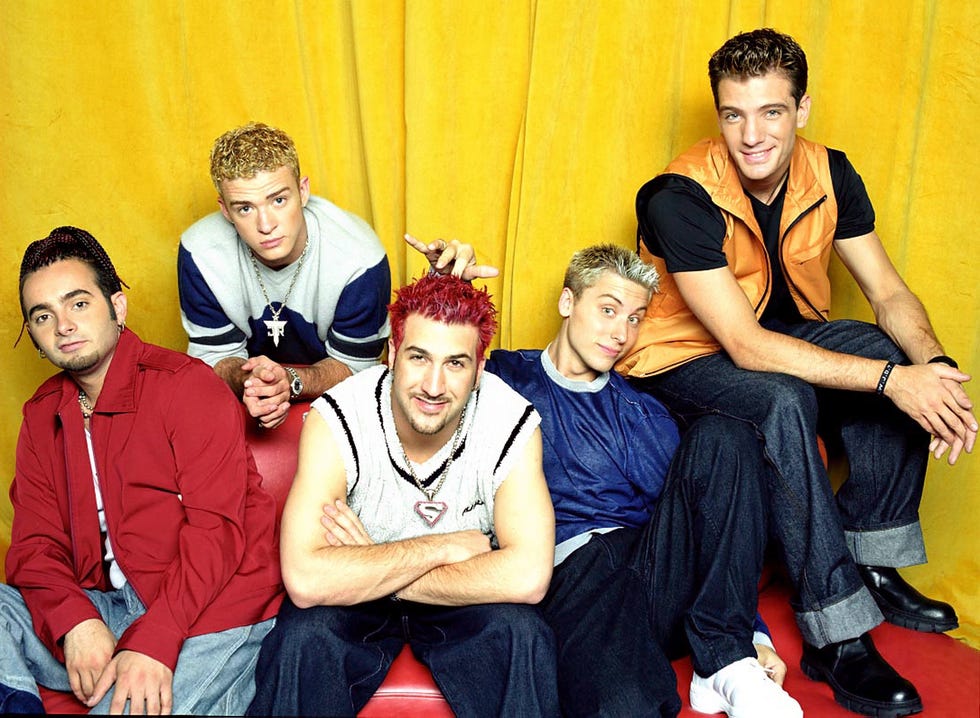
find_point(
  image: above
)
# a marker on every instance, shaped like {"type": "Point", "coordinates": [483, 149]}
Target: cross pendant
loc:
{"type": "Point", "coordinates": [277, 328]}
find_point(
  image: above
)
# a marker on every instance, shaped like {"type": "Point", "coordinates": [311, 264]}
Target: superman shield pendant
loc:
{"type": "Point", "coordinates": [431, 511]}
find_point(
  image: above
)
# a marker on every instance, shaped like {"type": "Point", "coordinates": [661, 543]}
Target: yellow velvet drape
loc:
{"type": "Point", "coordinates": [523, 127]}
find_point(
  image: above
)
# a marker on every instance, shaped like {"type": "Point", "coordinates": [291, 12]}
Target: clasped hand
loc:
{"type": "Point", "coordinates": [92, 670]}
{"type": "Point", "coordinates": [266, 394]}
{"type": "Point", "coordinates": [933, 395]}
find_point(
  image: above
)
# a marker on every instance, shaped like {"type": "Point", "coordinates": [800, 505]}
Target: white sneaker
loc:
{"type": "Point", "coordinates": [742, 690]}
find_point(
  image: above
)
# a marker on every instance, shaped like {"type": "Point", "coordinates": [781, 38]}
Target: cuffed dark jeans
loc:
{"type": "Point", "coordinates": [874, 517]}
{"type": "Point", "coordinates": [488, 660]}
{"type": "Point", "coordinates": [629, 601]}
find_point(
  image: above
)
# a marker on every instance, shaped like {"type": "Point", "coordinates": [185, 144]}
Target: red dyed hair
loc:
{"type": "Point", "coordinates": [444, 299]}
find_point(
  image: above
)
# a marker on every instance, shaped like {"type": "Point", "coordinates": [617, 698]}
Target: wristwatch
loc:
{"type": "Point", "coordinates": [295, 383]}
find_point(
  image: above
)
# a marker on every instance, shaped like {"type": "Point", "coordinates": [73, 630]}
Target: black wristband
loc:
{"type": "Point", "coordinates": [943, 359]}
{"type": "Point", "coordinates": [884, 377]}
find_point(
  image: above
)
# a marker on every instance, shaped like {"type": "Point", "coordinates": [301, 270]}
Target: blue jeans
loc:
{"type": "Point", "coordinates": [874, 517]}
{"type": "Point", "coordinates": [488, 660]}
{"type": "Point", "coordinates": [629, 601]}
{"type": "Point", "coordinates": [214, 673]}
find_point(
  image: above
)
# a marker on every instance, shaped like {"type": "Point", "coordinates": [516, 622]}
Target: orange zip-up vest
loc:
{"type": "Point", "coordinates": [670, 334]}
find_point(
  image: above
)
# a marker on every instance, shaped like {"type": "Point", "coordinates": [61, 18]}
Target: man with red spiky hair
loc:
{"type": "Point", "coordinates": [419, 514]}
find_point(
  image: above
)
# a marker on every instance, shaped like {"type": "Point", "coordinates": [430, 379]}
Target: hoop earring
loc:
{"type": "Point", "coordinates": [121, 326]}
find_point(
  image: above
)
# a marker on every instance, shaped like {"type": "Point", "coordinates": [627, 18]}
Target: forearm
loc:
{"type": "Point", "coordinates": [904, 319]}
{"type": "Point", "coordinates": [318, 378]}
{"type": "Point", "coordinates": [500, 576]}
{"type": "Point", "coordinates": [770, 351]}
{"type": "Point", "coordinates": [229, 370]}
{"type": "Point", "coordinates": [348, 575]}
{"type": "Point", "coordinates": [203, 512]}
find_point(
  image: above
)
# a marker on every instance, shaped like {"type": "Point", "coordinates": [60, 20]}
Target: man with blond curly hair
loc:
{"type": "Point", "coordinates": [282, 292]}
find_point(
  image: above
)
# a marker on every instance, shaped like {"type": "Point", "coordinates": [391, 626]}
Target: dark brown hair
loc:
{"type": "Point", "coordinates": [757, 53]}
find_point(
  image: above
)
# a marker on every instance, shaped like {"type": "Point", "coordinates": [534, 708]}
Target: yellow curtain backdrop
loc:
{"type": "Point", "coordinates": [523, 127]}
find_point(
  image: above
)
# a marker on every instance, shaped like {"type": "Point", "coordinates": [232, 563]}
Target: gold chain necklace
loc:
{"type": "Point", "coordinates": [87, 408]}
{"type": "Point", "coordinates": [431, 511]}
{"type": "Point", "coordinates": [276, 327]}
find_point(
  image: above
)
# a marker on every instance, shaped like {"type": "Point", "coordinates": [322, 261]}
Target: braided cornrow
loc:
{"type": "Point", "coordinates": [71, 243]}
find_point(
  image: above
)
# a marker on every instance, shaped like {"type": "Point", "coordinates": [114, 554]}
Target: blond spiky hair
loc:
{"type": "Point", "coordinates": [588, 264]}
{"type": "Point", "coordinates": [247, 150]}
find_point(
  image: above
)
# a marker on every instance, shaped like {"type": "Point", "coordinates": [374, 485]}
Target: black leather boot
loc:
{"type": "Point", "coordinates": [861, 679]}
{"type": "Point", "coordinates": [903, 605]}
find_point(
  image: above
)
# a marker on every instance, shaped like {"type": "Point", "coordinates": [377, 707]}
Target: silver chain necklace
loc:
{"type": "Point", "coordinates": [276, 327]}
{"type": "Point", "coordinates": [431, 511]}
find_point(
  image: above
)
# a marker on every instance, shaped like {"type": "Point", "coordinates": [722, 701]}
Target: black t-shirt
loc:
{"type": "Point", "coordinates": [679, 222]}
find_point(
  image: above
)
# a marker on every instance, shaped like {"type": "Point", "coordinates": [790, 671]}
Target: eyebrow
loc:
{"type": "Point", "coordinates": [769, 106]}
{"type": "Point", "coordinates": [63, 298]}
{"type": "Point", "coordinates": [271, 195]}
{"type": "Point", "coordinates": [451, 357]}
{"type": "Point", "coordinates": [613, 297]}
{"type": "Point", "coordinates": [621, 303]}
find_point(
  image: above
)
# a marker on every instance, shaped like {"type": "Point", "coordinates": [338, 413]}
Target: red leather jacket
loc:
{"type": "Point", "coordinates": [191, 527]}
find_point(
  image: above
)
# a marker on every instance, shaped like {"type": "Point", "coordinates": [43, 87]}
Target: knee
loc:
{"type": "Point", "coordinates": [728, 441]}
{"type": "Point", "coordinates": [870, 341]}
{"type": "Point", "coordinates": [13, 610]}
{"type": "Point", "coordinates": [716, 433]}
{"type": "Point", "coordinates": [789, 396]}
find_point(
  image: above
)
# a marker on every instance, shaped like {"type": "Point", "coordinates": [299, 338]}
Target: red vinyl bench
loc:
{"type": "Point", "coordinates": [945, 671]}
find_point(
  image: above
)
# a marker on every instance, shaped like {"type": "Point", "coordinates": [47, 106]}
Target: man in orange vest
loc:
{"type": "Point", "coordinates": [741, 228]}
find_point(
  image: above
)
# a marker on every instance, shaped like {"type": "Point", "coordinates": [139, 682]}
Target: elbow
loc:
{"type": "Point", "coordinates": [536, 593]}
{"type": "Point", "coordinates": [743, 361]}
{"type": "Point", "coordinates": [747, 355]}
{"type": "Point", "coordinates": [300, 600]}
{"type": "Point", "coordinates": [305, 591]}
{"type": "Point", "coordinates": [300, 591]}
{"type": "Point", "coordinates": [534, 586]}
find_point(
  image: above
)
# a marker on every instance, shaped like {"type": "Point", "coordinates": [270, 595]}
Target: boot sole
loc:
{"type": "Point", "coordinates": [857, 704]}
{"type": "Point", "coordinates": [916, 624]}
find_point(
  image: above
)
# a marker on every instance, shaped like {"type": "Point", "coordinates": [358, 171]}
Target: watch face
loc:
{"type": "Point", "coordinates": [296, 385]}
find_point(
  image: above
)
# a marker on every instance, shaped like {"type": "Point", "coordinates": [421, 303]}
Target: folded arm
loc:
{"type": "Point", "coordinates": [520, 570]}
{"type": "Point", "coordinates": [316, 572]}
{"type": "Point", "coordinates": [342, 566]}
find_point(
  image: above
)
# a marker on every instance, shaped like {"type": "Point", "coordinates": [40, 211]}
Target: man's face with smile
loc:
{"type": "Point", "coordinates": [434, 371]}
{"type": "Point", "coordinates": [601, 325]}
{"type": "Point", "coordinates": [758, 118]}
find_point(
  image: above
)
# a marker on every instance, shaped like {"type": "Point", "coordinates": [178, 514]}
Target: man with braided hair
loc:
{"type": "Point", "coordinates": [142, 543]}
{"type": "Point", "coordinates": [419, 514]}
